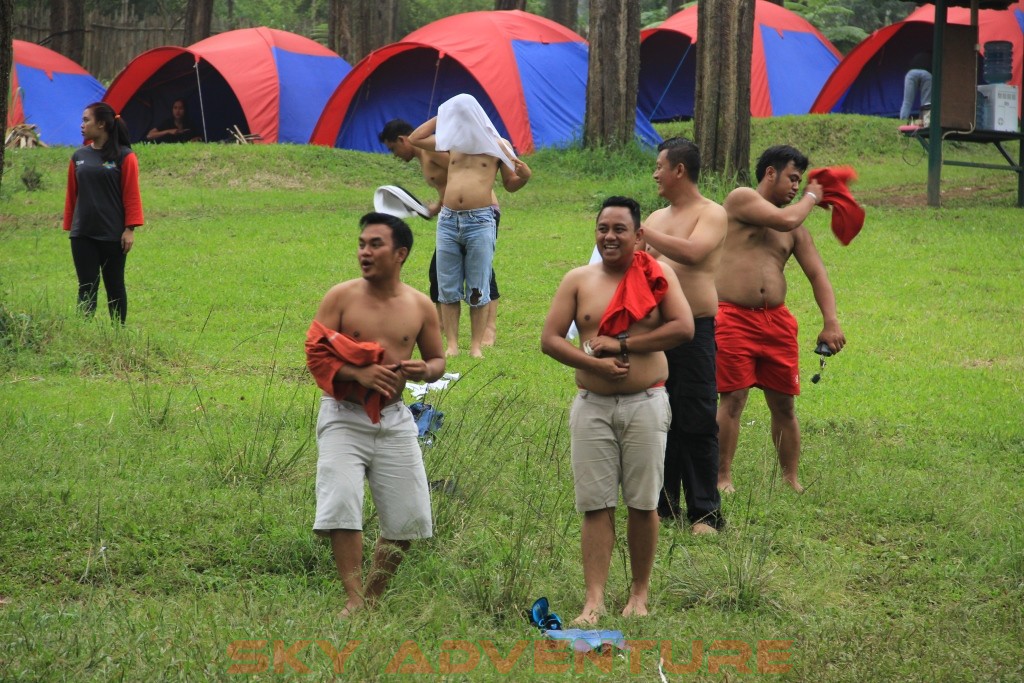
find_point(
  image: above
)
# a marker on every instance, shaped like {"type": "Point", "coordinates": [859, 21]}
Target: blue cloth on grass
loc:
{"type": "Point", "coordinates": [427, 419]}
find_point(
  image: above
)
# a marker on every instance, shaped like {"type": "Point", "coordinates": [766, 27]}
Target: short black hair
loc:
{"type": "Point", "coordinates": [683, 151]}
{"type": "Point", "coordinates": [394, 128]}
{"type": "Point", "coordinates": [625, 202]}
{"type": "Point", "coordinates": [778, 157]}
{"type": "Point", "coordinates": [401, 233]}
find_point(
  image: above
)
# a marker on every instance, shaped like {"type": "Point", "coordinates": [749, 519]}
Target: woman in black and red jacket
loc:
{"type": "Point", "coordinates": [102, 208]}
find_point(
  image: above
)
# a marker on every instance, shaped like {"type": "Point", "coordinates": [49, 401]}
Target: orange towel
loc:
{"type": "Point", "coordinates": [847, 214]}
{"type": "Point", "coordinates": [641, 289]}
{"type": "Point", "coordinates": [327, 350]}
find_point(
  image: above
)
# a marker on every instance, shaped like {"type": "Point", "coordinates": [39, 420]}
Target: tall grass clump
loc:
{"type": "Point", "coordinates": [26, 331]}
{"type": "Point", "coordinates": [494, 502]}
{"type": "Point", "coordinates": [151, 399]}
{"type": "Point", "coordinates": [267, 444]}
{"type": "Point", "coordinates": [735, 572]}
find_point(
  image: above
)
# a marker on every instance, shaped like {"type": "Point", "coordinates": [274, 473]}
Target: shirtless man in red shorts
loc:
{"type": "Point", "coordinates": [755, 332]}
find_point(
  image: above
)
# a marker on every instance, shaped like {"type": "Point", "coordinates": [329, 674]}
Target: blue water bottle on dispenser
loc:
{"type": "Point", "coordinates": [998, 61]}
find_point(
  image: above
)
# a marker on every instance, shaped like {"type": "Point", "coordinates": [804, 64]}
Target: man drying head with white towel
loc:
{"type": "Point", "coordinates": [465, 226]}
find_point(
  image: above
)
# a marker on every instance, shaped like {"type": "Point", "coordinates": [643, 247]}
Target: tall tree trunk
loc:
{"type": "Point", "coordinates": [725, 38]}
{"type": "Point", "coordinates": [372, 25]}
{"type": "Point", "coordinates": [67, 28]}
{"type": "Point", "coordinates": [6, 64]}
{"type": "Point", "coordinates": [674, 6]}
{"type": "Point", "coordinates": [563, 11]}
{"type": "Point", "coordinates": [198, 20]}
{"type": "Point", "coordinates": [509, 4]}
{"type": "Point", "coordinates": [339, 28]}
{"type": "Point", "coordinates": [614, 73]}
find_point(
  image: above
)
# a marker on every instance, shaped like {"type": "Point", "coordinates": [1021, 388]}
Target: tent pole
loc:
{"type": "Point", "coordinates": [935, 128]}
{"type": "Point", "coordinates": [671, 80]}
{"type": "Point", "coordinates": [202, 111]}
{"type": "Point", "coordinates": [433, 88]}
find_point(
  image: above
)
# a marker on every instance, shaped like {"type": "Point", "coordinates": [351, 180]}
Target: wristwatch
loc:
{"type": "Point", "coordinates": [623, 348]}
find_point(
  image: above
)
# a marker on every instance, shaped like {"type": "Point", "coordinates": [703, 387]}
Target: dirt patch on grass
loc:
{"type": "Point", "coordinates": [914, 195]}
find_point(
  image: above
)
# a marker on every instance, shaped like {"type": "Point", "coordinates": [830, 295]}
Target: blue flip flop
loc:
{"type": "Point", "coordinates": [542, 618]}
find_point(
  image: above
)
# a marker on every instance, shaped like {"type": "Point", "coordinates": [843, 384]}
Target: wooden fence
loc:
{"type": "Point", "coordinates": [110, 42]}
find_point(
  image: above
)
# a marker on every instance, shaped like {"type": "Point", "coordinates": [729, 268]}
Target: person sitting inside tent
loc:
{"type": "Point", "coordinates": [178, 128]}
{"type": "Point", "coordinates": [918, 78]}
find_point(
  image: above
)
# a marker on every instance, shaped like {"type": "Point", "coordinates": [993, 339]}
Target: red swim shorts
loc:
{"type": "Point", "coordinates": [757, 348]}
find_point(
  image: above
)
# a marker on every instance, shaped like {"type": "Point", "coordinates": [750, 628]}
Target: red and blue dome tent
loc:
{"type": "Point", "coordinates": [870, 79]}
{"type": "Point", "coordinates": [790, 62]}
{"type": "Point", "coordinates": [50, 91]}
{"type": "Point", "coordinates": [267, 82]}
{"type": "Point", "coordinates": [528, 73]}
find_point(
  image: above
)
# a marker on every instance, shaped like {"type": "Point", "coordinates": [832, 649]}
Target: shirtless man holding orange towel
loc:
{"type": "Point", "coordinates": [359, 349]}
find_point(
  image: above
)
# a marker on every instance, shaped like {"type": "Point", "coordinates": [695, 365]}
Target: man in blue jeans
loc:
{"type": "Point", "coordinates": [917, 79]}
{"type": "Point", "coordinates": [466, 234]}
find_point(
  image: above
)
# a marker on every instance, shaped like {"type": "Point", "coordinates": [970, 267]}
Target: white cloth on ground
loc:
{"type": "Point", "coordinates": [420, 389]}
{"type": "Point", "coordinates": [463, 126]}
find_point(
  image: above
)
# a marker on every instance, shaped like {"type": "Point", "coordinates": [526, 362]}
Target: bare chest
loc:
{"type": "Point", "coordinates": [395, 327]}
{"type": "Point", "coordinates": [592, 301]}
{"type": "Point", "coordinates": [759, 242]}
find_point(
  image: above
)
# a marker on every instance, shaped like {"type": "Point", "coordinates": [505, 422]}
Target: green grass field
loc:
{"type": "Point", "coordinates": [156, 494]}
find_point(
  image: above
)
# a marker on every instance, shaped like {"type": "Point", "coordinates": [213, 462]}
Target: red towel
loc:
{"type": "Point", "coordinates": [847, 214]}
{"type": "Point", "coordinates": [327, 350]}
{"type": "Point", "coordinates": [641, 289]}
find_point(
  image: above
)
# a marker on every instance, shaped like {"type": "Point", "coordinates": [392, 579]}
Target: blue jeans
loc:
{"type": "Point", "coordinates": [465, 250]}
{"type": "Point", "coordinates": [916, 79]}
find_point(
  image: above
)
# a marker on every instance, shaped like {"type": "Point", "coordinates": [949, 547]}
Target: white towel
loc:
{"type": "Point", "coordinates": [419, 389]}
{"type": "Point", "coordinates": [398, 202]}
{"type": "Point", "coordinates": [463, 126]}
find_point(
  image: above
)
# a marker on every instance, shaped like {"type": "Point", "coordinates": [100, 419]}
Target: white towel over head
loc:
{"type": "Point", "coordinates": [463, 126]}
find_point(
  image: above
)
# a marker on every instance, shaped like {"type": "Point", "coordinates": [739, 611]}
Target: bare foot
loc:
{"type": "Point", "coordinates": [795, 485]}
{"type": "Point", "coordinates": [476, 353]}
{"type": "Point", "coordinates": [636, 607]}
{"type": "Point", "coordinates": [452, 352]}
{"type": "Point", "coordinates": [589, 616]}
{"type": "Point", "coordinates": [351, 607]}
{"type": "Point", "coordinates": [487, 342]}
{"type": "Point", "coordinates": [700, 528]}
{"type": "Point", "coordinates": [726, 487]}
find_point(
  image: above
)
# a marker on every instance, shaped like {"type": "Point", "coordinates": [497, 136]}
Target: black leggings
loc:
{"type": "Point", "coordinates": [91, 258]}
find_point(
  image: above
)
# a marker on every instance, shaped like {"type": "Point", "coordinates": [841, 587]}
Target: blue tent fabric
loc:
{"type": "Point", "coordinates": [426, 81]}
{"type": "Point", "coordinates": [59, 123]}
{"type": "Point", "coordinates": [662, 94]}
{"type": "Point", "coordinates": [558, 122]}
{"type": "Point", "coordinates": [882, 94]}
{"type": "Point", "coordinates": [789, 62]}
{"type": "Point", "coordinates": [803, 59]}
{"type": "Point", "coordinates": [528, 73]}
{"type": "Point", "coordinates": [553, 120]}
{"type": "Point", "coordinates": [307, 82]}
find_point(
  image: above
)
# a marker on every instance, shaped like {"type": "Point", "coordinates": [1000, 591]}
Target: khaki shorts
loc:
{"type": "Point", "coordinates": [617, 440]}
{"type": "Point", "coordinates": [387, 454]}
